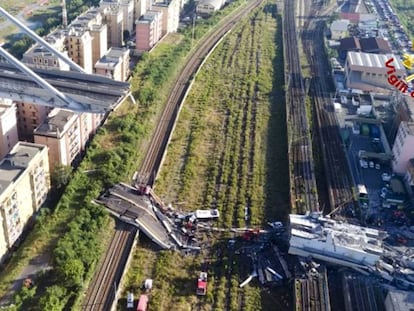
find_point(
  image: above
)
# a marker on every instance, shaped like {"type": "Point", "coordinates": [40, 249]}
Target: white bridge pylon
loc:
{"type": "Point", "coordinates": [26, 30]}
{"type": "Point", "coordinates": [58, 99]}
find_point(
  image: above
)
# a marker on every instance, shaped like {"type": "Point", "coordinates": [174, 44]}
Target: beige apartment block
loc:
{"type": "Point", "coordinates": [99, 35]}
{"type": "Point", "coordinates": [92, 20]}
{"type": "Point", "coordinates": [29, 117]}
{"type": "Point", "coordinates": [114, 64]}
{"type": "Point", "coordinates": [8, 126]}
{"type": "Point", "coordinates": [114, 17]}
{"type": "Point", "coordinates": [66, 134]}
{"type": "Point", "coordinates": [39, 57]}
{"type": "Point", "coordinates": [127, 7]}
{"type": "Point", "coordinates": [61, 132]}
{"type": "Point", "coordinates": [170, 15]}
{"type": "Point", "coordinates": [24, 185]}
{"type": "Point", "coordinates": [79, 45]}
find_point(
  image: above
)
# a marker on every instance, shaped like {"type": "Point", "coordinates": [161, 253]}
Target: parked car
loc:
{"type": "Point", "coordinates": [130, 301]}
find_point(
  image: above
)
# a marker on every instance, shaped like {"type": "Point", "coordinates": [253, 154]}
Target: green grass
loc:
{"type": "Point", "coordinates": [405, 12]}
{"type": "Point", "coordinates": [228, 151]}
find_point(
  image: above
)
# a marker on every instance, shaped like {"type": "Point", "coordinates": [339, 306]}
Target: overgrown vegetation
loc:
{"type": "Point", "coordinates": [72, 231]}
{"type": "Point", "coordinates": [228, 151]}
{"type": "Point", "coordinates": [405, 11]}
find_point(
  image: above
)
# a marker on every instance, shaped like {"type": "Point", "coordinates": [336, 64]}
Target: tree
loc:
{"type": "Point", "coordinates": [72, 271]}
{"type": "Point", "coordinates": [60, 175]}
{"type": "Point", "coordinates": [54, 300]}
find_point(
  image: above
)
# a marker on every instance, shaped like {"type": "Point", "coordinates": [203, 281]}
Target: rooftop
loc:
{"type": "Point", "coordinates": [373, 44]}
{"type": "Point", "coordinates": [56, 123]}
{"type": "Point", "coordinates": [340, 25]}
{"type": "Point", "coordinates": [350, 43]}
{"type": "Point", "coordinates": [16, 161]}
{"type": "Point", "coordinates": [373, 60]}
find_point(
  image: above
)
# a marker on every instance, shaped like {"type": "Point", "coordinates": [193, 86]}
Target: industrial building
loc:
{"type": "Point", "coordinates": [24, 185]}
{"type": "Point", "coordinates": [368, 72]}
{"type": "Point", "coordinates": [207, 7]}
{"type": "Point", "coordinates": [339, 29]}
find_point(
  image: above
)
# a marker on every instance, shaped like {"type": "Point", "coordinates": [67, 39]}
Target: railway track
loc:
{"type": "Point", "coordinates": [102, 291]}
{"type": "Point", "coordinates": [100, 297]}
{"type": "Point", "coordinates": [152, 162]}
{"type": "Point", "coordinates": [302, 178]}
{"type": "Point", "coordinates": [339, 181]}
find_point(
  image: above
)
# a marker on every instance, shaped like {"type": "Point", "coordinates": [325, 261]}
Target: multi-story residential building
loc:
{"type": "Point", "coordinates": [39, 57]}
{"type": "Point", "coordinates": [148, 30]}
{"type": "Point", "coordinates": [99, 35]}
{"type": "Point", "coordinates": [79, 45]}
{"type": "Point", "coordinates": [8, 126]}
{"type": "Point", "coordinates": [61, 132]}
{"type": "Point", "coordinates": [207, 7]}
{"type": "Point", "coordinates": [403, 148]}
{"type": "Point", "coordinates": [114, 64]}
{"type": "Point", "coordinates": [128, 14]}
{"type": "Point", "coordinates": [141, 7]}
{"type": "Point", "coordinates": [29, 117]}
{"type": "Point", "coordinates": [66, 134]}
{"type": "Point", "coordinates": [170, 15]}
{"type": "Point", "coordinates": [92, 21]}
{"type": "Point", "coordinates": [24, 185]}
{"type": "Point", "coordinates": [114, 19]}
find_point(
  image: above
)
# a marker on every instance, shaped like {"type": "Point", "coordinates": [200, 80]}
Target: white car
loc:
{"type": "Point", "coordinates": [363, 163]}
{"type": "Point", "coordinates": [130, 301]}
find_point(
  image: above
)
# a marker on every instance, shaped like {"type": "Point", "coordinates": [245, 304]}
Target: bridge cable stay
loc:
{"type": "Point", "coordinates": [68, 103]}
{"type": "Point", "coordinates": [41, 41]}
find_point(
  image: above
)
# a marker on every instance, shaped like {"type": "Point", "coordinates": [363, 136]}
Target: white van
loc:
{"type": "Point", "coordinates": [130, 301]}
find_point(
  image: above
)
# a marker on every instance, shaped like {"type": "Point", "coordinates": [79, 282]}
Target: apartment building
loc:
{"type": "Point", "coordinates": [99, 34]}
{"type": "Point", "coordinates": [79, 45]}
{"type": "Point", "coordinates": [39, 57]}
{"type": "Point", "coordinates": [24, 185]}
{"type": "Point", "coordinates": [114, 17]}
{"type": "Point", "coordinates": [61, 132]}
{"type": "Point", "coordinates": [66, 134]}
{"type": "Point", "coordinates": [8, 126]}
{"type": "Point", "coordinates": [141, 7]}
{"type": "Point", "coordinates": [114, 64]}
{"type": "Point", "coordinates": [127, 7]}
{"type": "Point", "coordinates": [29, 117]}
{"type": "Point", "coordinates": [148, 30]}
{"type": "Point", "coordinates": [170, 15]}
{"type": "Point", "coordinates": [403, 148]}
{"type": "Point", "coordinates": [92, 21]}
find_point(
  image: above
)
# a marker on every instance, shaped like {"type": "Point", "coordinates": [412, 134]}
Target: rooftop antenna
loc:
{"type": "Point", "coordinates": [64, 14]}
